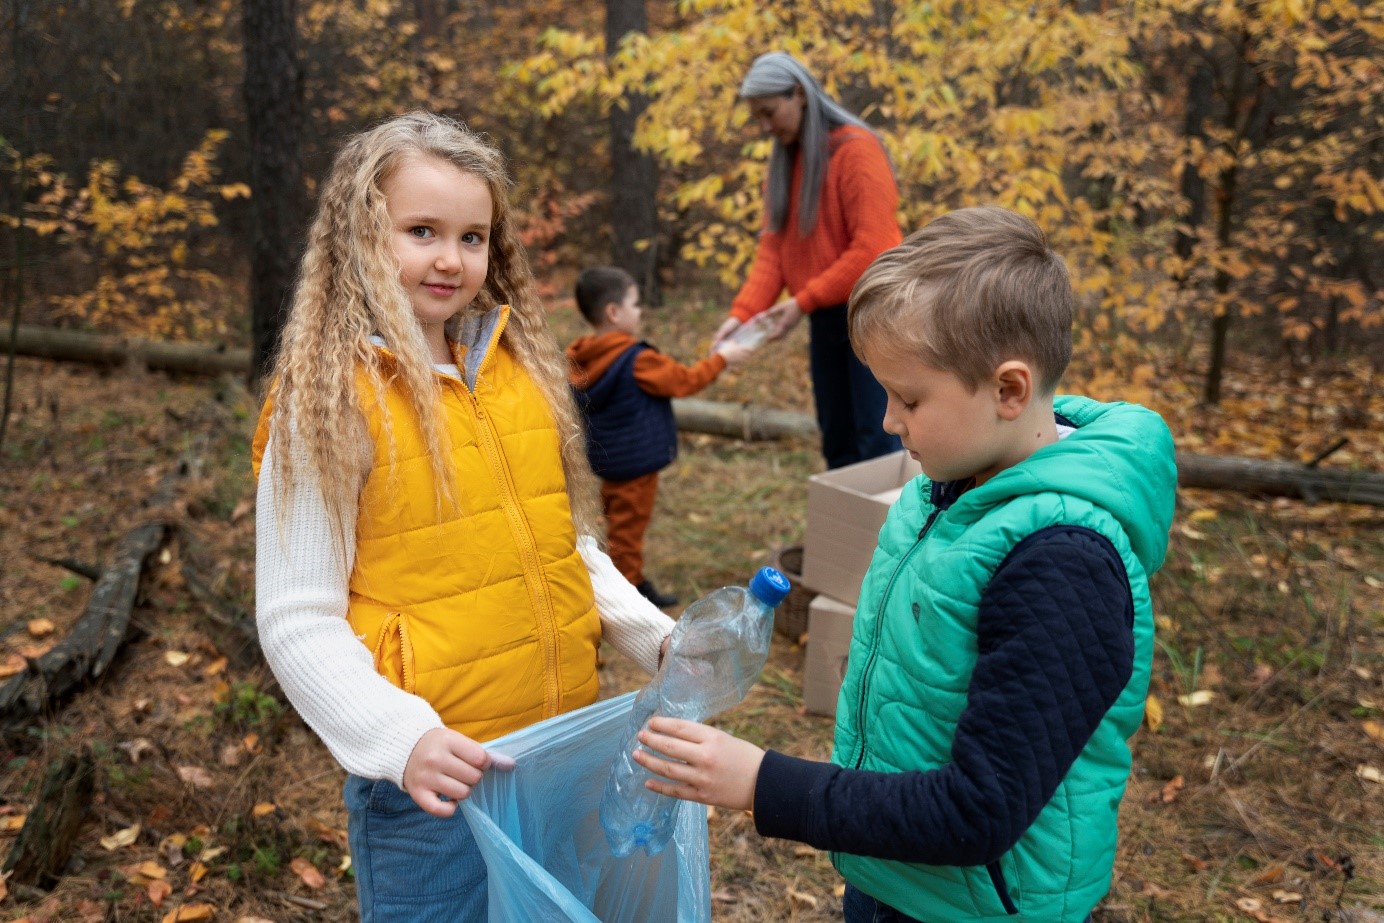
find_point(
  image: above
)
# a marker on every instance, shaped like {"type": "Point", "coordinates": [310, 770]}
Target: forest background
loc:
{"type": "Point", "coordinates": [1210, 169]}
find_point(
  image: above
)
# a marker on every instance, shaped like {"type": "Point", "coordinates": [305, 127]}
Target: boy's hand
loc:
{"type": "Point", "coordinates": [716, 768]}
{"type": "Point", "coordinates": [728, 326]}
{"type": "Point", "coordinates": [444, 766]}
{"type": "Point", "coordinates": [736, 353]}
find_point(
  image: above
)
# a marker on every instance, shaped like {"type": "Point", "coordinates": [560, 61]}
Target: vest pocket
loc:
{"type": "Point", "coordinates": [393, 652]}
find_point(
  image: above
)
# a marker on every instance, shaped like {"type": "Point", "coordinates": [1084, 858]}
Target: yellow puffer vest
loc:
{"type": "Point", "coordinates": [487, 613]}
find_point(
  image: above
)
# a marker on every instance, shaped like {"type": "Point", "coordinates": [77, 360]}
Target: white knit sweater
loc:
{"type": "Point", "coordinates": [370, 725]}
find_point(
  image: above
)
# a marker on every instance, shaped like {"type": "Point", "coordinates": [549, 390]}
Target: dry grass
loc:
{"type": "Point", "coordinates": [1273, 606]}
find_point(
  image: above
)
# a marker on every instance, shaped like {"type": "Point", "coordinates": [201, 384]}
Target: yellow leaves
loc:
{"type": "Point", "coordinates": [1153, 713]}
{"type": "Point", "coordinates": [120, 838]}
{"type": "Point", "coordinates": [136, 235]}
{"type": "Point", "coordinates": [232, 191]}
{"type": "Point", "coordinates": [1015, 122]}
{"type": "Point", "coordinates": [189, 913]}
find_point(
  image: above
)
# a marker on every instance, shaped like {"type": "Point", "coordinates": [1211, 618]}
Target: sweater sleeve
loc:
{"type": "Point", "coordinates": [369, 725]}
{"type": "Point", "coordinates": [634, 626]}
{"type": "Point", "coordinates": [1056, 648]}
{"type": "Point", "coordinates": [765, 282]}
{"type": "Point", "coordinates": [663, 376]}
{"type": "Point", "coordinates": [870, 202]}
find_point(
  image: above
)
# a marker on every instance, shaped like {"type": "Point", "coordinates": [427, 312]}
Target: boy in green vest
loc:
{"type": "Point", "coordinates": [1003, 640]}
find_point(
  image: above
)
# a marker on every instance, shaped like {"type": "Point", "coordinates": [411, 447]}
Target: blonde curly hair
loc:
{"type": "Point", "coordinates": [348, 289]}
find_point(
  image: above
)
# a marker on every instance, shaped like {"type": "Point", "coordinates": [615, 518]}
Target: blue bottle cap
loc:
{"type": "Point", "coordinates": [770, 586]}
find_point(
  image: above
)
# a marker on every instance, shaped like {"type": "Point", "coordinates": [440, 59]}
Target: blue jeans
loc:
{"type": "Point", "coordinates": [411, 867]}
{"type": "Point", "coordinates": [850, 402]}
{"type": "Point", "coordinates": [860, 907]}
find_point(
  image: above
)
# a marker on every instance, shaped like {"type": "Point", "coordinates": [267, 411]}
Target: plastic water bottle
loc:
{"type": "Point", "coordinates": [717, 650]}
{"type": "Point", "coordinates": [752, 333]}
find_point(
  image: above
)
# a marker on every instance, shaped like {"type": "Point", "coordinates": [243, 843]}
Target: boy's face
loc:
{"type": "Point", "coordinates": [623, 315]}
{"type": "Point", "coordinates": [953, 432]}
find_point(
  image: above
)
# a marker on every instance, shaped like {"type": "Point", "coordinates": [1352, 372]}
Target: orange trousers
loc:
{"type": "Point", "coordinates": [628, 508]}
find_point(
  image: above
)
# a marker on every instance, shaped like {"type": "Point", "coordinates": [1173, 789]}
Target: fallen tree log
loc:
{"type": "Point", "coordinates": [742, 421]}
{"type": "Point", "coordinates": [737, 421]}
{"type": "Point", "coordinates": [110, 351]}
{"type": "Point", "coordinates": [99, 632]}
{"type": "Point", "coordinates": [1279, 479]}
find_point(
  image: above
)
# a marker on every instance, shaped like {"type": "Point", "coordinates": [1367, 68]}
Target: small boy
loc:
{"type": "Point", "coordinates": [625, 388]}
{"type": "Point", "coordinates": [1004, 636]}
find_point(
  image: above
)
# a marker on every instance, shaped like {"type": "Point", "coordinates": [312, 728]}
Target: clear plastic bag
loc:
{"type": "Point", "coordinates": [538, 827]}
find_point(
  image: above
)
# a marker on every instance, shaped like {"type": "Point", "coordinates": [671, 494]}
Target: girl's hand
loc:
{"type": "Point", "coordinates": [716, 768]}
{"type": "Point", "coordinates": [727, 327]}
{"type": "Point", "coordinates": [443, 768]}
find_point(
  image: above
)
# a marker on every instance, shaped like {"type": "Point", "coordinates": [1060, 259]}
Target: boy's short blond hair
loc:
{"type": "Point", "coordinates": [972, 289]}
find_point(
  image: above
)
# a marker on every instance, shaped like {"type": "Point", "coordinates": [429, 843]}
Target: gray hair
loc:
{"type": "Point", "coordinates": [776, 74]}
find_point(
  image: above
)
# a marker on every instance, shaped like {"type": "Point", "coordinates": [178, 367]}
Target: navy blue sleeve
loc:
{"type": "Point", "coordinates": [1056, 648]}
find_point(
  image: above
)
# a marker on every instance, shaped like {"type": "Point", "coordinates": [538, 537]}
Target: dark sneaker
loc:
{"type": "Point", "coordinates": [651, 593]}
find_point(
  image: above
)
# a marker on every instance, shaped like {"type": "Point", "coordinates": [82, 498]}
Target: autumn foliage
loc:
{"type": "Point", "coordinates": [1205, 166]}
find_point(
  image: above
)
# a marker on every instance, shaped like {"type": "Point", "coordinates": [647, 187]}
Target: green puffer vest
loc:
{"type": "Point", "coordinates": [914, 647]}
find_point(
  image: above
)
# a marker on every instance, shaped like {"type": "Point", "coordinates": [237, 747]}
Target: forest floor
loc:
{"type": "Point", "coordinates": [1258, 786]}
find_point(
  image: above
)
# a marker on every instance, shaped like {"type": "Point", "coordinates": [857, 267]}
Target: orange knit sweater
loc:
{"type": "Point", "coordinates": [856, 222]}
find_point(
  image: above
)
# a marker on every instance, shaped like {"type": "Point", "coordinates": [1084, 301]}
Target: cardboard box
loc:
{"type": "Point", "coordinates": [845, 508]}
{"type": "Point", "coordinates": [828, 644]}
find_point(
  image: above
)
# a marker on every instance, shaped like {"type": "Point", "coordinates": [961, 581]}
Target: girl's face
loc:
{"type": "Point", "coordinates": [439, 220]}
{"type": "Point", "coordinates": [780, 116]}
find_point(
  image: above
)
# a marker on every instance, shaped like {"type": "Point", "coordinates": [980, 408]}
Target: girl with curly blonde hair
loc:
{"type": "Point", "coordinates": [428, 572]}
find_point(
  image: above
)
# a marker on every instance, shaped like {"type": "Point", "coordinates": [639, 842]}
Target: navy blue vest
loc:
{"type": "Point", "coordinates": [629, 432]}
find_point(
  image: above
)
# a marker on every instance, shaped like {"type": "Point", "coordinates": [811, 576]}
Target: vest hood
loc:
{"type": "Point", "coordinates": [590, 356]}
{"type": "Point", "coordinates": [1129, 443]}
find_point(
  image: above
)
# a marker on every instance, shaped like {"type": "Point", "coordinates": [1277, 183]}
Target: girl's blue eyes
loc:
{"type": "Point", "coordinates": [421, 232]}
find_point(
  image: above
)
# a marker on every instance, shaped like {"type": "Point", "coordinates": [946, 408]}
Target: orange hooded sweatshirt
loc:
{"type": "Point", "coordinates": [655, 373]}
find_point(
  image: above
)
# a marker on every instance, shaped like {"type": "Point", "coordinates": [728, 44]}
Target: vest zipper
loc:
{"type": "Point", "coordinates": [543, 614]}
{"type": "Point", "coordinates": [860, 721]}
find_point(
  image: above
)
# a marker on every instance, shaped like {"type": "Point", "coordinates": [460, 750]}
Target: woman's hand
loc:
{"type": "Point", "coordinates": [715, 767]}
{"type": "Point", "coordinates": [443, 768]}
{"type": "Point", "coordinates": [728, 326]}
{"type": "Point", "coordinates": [785, 315]}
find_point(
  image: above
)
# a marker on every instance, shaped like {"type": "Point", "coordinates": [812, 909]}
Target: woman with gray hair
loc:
{"type": "Point", "coordinates": [830, 210]}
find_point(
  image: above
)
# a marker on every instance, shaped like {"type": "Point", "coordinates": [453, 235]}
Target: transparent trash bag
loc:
{"type": "Point", "coordinates": [538, 827]}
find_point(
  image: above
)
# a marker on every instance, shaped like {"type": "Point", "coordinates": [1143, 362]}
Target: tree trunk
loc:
{"type": "Point", "coordinates": [274, 116]}
{"type": "Point", "coordinates": [1193, 186]}
{"type": "Point", "coordinates": [50, 831]}
{"type": "Point", "coordinates": [634, 175]}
